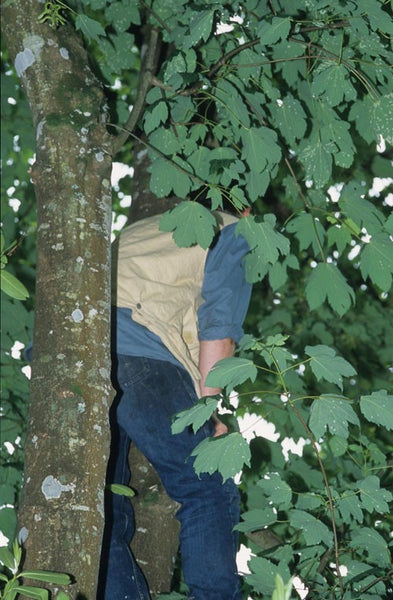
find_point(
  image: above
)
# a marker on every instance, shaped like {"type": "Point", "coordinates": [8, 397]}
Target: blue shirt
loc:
{"type": "Point", "coordinates": [225, 293]}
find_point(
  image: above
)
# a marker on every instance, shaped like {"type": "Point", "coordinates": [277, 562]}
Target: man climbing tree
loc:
{"type": "Point", "coordinates": [274, 104]}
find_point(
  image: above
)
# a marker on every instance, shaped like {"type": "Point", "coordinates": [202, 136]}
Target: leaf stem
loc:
{"type": "Point", "coordinates": [329, 493]}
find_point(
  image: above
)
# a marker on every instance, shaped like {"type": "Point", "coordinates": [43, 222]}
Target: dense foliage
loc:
{"type": "Point", "coordinates": [286, 106]}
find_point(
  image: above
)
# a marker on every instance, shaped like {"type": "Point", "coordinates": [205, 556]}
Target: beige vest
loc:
{"type": "Point", "coordinates": [162, 285]}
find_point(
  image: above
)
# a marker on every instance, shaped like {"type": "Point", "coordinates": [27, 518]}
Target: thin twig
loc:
{"type": "Point", "coordinates": [144, 84]}
{"type": "Point", "coordinates": [387, 577]}
{"type": "Point", "coordinates": [329, 494]}
{"type": "Point", "coordinates": [161, 155]}
{"type": "Point", "coordinates": [332, 56]}
{"type": "Point", "coordinates": [10, 251]}
{"type": "Point", "coordinates": [224, 59]}
{"type": "Point", "coordinates": [299, 189]}
{"type": "Point", "coordinates": [156, 16]}
{"type": "Point", "coordinates": [307, 208]}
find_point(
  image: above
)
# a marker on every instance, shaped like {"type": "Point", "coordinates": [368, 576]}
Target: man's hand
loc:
{"type": "Point", "coordinates": [219, 426]}
{"type": "Point", "coordinates": [210, 352]}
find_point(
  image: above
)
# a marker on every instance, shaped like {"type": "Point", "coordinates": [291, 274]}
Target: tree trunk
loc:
{"type": "Point", "coordinates": [61, 514]}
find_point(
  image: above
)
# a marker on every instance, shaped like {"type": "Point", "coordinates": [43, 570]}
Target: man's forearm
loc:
{"type": "Point", "coordinates": [211, 351]}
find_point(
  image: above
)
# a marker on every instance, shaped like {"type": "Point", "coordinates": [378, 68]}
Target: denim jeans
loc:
{"type": "Point", "coordinates": [152, 391]}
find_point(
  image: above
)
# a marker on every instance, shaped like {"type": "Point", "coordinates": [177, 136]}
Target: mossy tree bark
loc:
{"type": "Point", "coordinates": [61, 514]}
{"type": "Point", "coordinates": [66, 450]}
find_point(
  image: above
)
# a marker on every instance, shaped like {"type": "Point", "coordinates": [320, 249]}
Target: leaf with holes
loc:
{"type": "Point", "coordinates": [378, 408]}
{"type": "Point", "coordinates": [376, 261]}
{"type": "Point", "coordinates": [333, 413]}
{"type": "Point", "coordinates": [227, 454]}
{"type": "Point", "coordinates": [277, 491]}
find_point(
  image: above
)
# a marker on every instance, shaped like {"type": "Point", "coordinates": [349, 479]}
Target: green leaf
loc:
{"type": "Point", "coordinates": [378, 408]}
{"type": "Point", "coordinates": [157, 115]}
{"type": "Point", "coordinates": [226, 454]}
{"type": "Point", "coordinates": [238, 198]}
{"type": "Point", "coordinates": [313, 530]}
{"type": "Point", "coordinates": [278, 272]}
{"type": "Point", "coordinates": [333, 413]}
{"type": "Point", "coordinates": [290, 118]}
{"type": "Point", "coordinates": [338, 445]}
{"type": "Point", "coordinates": [376, 261]}
{"type": "Point", "coordinates": [163, 176]}
{"type": "Point", "coordinates": [327, 282]}
{"type": "Point", "coordinates": [17, 551]}
{"type": "Point", "coordinates": [257, 184]}
{"type": "Point", "coordinates": [122, 14]}
{"type": "Point", "coordinates": [326, 365]}
{"type": "Point", "coordinates": [272, 32]}
{"type": "Point", "coordinates": [196, 416]}
{"type": "Point", "coordinates": [376, 16]}
{"type": "Point", "coordinates": [176, 64]}
{"type": "Point", "coordinates": [231, 372]}
{"type": "Point", "coordinates": [369, 542]}
{"type": "Point", "coordinates": [281, 591]}
{"type": "Point", "coordinates": [11, 286]}
{"type": "Point", "coordinates": [118, 52]}
{"type": "Point", "coordinates": [278, 491]}
{"type": "Point", "coordinates": [339, 235]}
{"type": "Point", "coordinates": [33, 592]}
{"type": "Point", "coordinates": [192, 224]}
{"type": "Point", "coordinates": [373, 497]}
{"type": "Point", "coordinates": [256, 519]}
{"type": "Point", "coordinates": [309, 501]}
{"type": "Point", "coordinates": [349, 507]}
{"type": "Point", "coordinates": [362, 212]}
{"type": "Point", "coordinates": [317, 162]}
{"type": "Point", "coordinates": [264, 573]}
{"type": "Point", "coordinates": [260, 148]}
{"type": "Point", "coordinates": [233, 102]}
{"type": "Point", "coordinates": [382, 117]}
{"type": "Point", "coordinates": [48, 577]}
{"type": "Point", "coordinates": [265, 242]}
{"type": "Point", "coordinates": [8, 513]}
{"type": "Point", "coordinates": [89, 27]}
{"type": "Point", "coordinates": [361, 113]}
{"type": "Point", "coordinates": [331, 82]}
{"type": "Point", "coordinates": [6, 558]}
{"type": "Point", "coordinates": [292, 70]}
{"type": "Point", "coordinates": [182, 109]}
{"type": "Point", "coordinates": [200, 27]}
{"type": "Point", "coordinates": [216, 197]}
{"type": "Point", "coordinates": [308, 231]}
{"type": "Point", "coordinates": [335, 135]}
{"type": "Point", "coordinates": [121, 490]}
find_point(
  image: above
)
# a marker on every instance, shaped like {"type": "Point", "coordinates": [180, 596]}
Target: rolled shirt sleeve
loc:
{"type": "Point", "coordinates": [225, 292]}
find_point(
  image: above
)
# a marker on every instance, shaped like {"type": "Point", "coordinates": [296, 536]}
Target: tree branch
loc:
{"type": "Point", "coordinates": [144, 84]}
{"type": "Point", "coordinates": [224, 59]}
